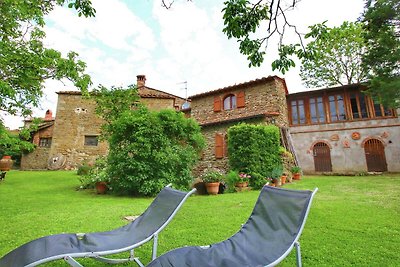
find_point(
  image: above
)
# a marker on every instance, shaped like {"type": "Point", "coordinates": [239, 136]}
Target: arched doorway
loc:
{"type": "Point", "coordinates": [322, 157]}
{"type": "Point", "coordinates": [375, 155]}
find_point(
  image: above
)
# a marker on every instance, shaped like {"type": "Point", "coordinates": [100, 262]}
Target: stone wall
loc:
{"type": "Point", "coordinates": [208, 159]}
{"type": "Point", "coordinates": [157, 100]}
{"type": "Point", "coordinates": [265, 102]}
{"type": "Point", "coordinates": [267, 97]}
{"type": "Point", "coordinates": [75, 119]}
{"type": "Point", "coordinates": [158, 103]}
{"type": "Point", "coordinates": [37, 160]}
{"type": "Point", "coordinates": [347, 154]}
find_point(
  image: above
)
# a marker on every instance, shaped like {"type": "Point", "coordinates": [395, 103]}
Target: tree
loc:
{"type": "Point", "coordinates": [14, 144]}
{"type": "Point", "coordinates": [111, 103]}
{"type": "Point", "coordinates": [381, 20]}
{"type": "Point", "coordinates": [242, 19]}
{"type": "Point", "coordinates": [382, 59]}
{"type": "Point", "coordinates": [336, 57]}
{"type": "Point", "coordinates": [25, 63]}
{"type": "Point", "coordinates": [149, 150]}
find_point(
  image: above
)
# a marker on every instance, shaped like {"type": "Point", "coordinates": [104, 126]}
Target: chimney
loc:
{"type": "Point", "coordinates": [48, 116]}
{"type": "Point", "coordinates": [141, 81]}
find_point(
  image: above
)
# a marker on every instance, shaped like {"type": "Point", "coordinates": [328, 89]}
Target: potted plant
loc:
{"type": "Point", "coordinates": [288, 176]}
{"type": "Point", "coordinates": [212, 179]}
{"type": "Point", "coordinates": [6, 163]}
{"type": "Point", "coordinates": [283, 178]}
{"type": "Point", "coordinates": [243, 180]}
{"type": "Point", "coordinates": [296, 171]}
{"type": "Point", "coordinates": [96, 177]}
{"type": "Point", "coordinates": [276, 174]}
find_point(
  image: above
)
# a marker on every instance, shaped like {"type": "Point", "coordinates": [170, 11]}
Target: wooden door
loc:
{"type": "Point", "coordinates": [375, 156]}
{"type": "Point", "coordinates": [322, 157]}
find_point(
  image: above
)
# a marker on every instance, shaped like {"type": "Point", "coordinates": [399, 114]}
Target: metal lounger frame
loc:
{"type": "Point", "coordinates": [69, 258]}
{"type": "Point", "coordinates": [296, 242]}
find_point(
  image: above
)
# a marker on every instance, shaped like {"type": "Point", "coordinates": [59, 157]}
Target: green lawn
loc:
{"type": "Point", "coordinates": [354, 221]}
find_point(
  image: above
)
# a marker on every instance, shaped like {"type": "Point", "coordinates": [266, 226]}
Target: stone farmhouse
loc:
{"type": "Point", "coordinates": [70, 139]}
{"type": "Point", "coordinates": [339, 130]}
{"type": "Point", "coordinates": [42, 138]}
{"type": "Point", "coordinates": [342, 130]}
{"type": "Point", "coordinates": [258, 101]}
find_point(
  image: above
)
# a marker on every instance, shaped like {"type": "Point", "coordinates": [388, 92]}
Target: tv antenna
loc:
{"type": "Point", "coordinates": [186, 89]}
{"type": "Point", "coordinates": [186, 104]}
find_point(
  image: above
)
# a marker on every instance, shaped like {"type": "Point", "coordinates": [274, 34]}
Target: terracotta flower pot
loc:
{"type": "Point", "coordinates": [101, 187]}
{"type": "Point", "coordinates": [212, 188]}
{"type": "Point", "coordinates": [283, 179]}
{"type": "Point", "coordinates": [242, 184]}
{"type": "Point", "coordinates": [6, 163]}
{"type": "Point", "coordinates": [296, 176]}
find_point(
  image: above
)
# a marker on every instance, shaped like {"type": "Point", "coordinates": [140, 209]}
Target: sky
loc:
{"type": "Point", "coordinates": [182, 44]}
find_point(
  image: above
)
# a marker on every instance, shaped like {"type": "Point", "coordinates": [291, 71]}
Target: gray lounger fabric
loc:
{"type": "Point", "coordinates": [269, 233]}
{"type": "Point", "coordinates": [100, 243]}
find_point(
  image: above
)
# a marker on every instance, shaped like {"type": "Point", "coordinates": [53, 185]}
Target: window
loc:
{"type": "Point", "coordinates": [381, 111]}
{"type": "Point", "coordinates": [91, 140]}
{"type": "Point", "coordinates": [317, 110]}
{"type": "Point", "coordinates": [345, 105]}
{"type": "Point", "coordinates": [45, 142]}
{"type": "Point", "coordinates": [336, 108]}
{"type": "Point", "coordinates": [298, 112]}
{"type": "Point", "coordinates": [230, 102]}
{"type": "Point", "coordinates": [358, 106]}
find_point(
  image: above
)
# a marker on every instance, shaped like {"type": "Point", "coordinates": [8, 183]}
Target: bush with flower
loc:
{"type": "Point", "coordinates": [212, 176]}
{"type": "Point", "coordinates": [243, 177]}
{"type": "Point", "coordinates": [234, 177]}
{"type": "Point", "coordinates": [97, 173]}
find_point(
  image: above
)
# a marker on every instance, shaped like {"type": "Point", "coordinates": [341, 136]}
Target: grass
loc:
{"type": "Point", "coordinates": [353, 220]}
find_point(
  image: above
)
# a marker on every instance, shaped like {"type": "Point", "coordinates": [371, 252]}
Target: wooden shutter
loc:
{"type": "Point", "coordinates": [240, 101]}
{"type": "Point", "coordinates": [219, 146]}
{"type": "Point", "coordinates": [226, 145]}
{"type": "Point", "coordinates": [217, 104]}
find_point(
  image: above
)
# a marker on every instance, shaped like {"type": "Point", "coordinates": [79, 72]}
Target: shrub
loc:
{"type": "Point", "coordinates": [231, 179]}
{"type": "Point", "coordinates": [83, 169]}
{"type": "Point", "coordinates": [149, 150]}
{"type": "Point", "coordinates": [96, 173]}
{"type": "Point", "coordinates": [254, 149]}
{"type": "Point", "coordinates": [258, 180]}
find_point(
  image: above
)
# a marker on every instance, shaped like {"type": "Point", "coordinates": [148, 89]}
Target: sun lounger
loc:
{"type": "Point", "coordinates": [271, 232]}
{"type": "Point", "coordinates": [97, 245]}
